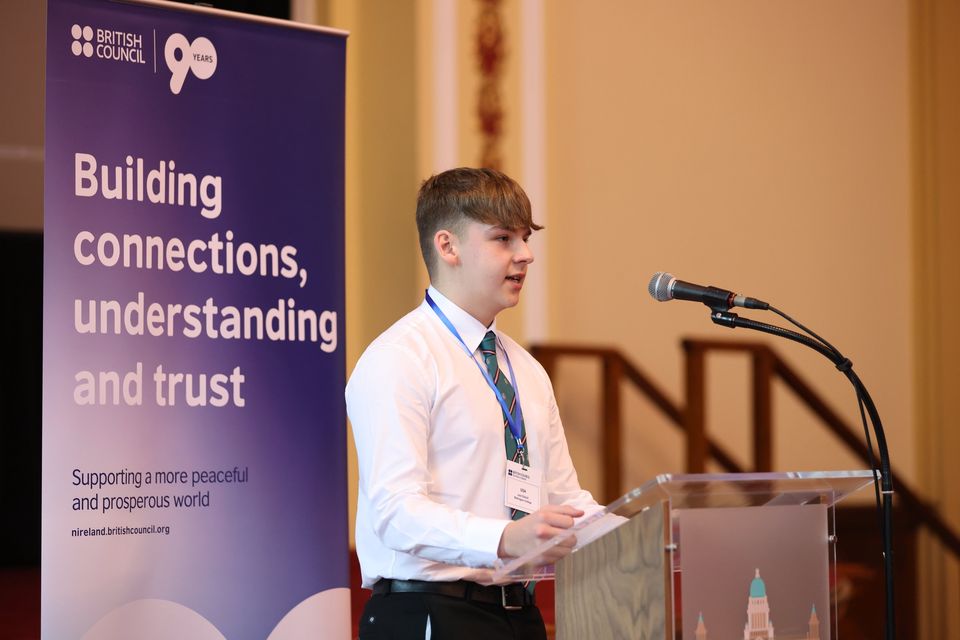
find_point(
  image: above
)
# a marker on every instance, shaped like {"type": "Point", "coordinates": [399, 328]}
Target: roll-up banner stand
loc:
{"type": "Point", "coordinates": [194, 453]}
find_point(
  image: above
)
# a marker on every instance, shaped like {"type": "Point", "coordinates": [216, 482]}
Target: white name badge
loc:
{"type": "Point", "coordinates": [522, 487]}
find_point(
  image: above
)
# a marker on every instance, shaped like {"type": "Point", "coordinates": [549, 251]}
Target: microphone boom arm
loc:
{"type": "Point", "coordinates": [725, 318]}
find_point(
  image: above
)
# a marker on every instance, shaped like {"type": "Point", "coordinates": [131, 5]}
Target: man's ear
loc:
{"type": "Point", "coordinates": [447, 248]}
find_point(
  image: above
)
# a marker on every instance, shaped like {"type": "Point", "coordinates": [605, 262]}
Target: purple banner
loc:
{"type": "Point", "coordinates": [194, 453]}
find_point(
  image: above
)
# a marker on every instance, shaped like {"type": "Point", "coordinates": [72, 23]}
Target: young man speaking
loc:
{"type": "Point", "coordinates": [447, 414]}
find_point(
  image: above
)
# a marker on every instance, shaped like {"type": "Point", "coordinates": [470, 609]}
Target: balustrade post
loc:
{"type": "Point", "coordinates": [762, 410]}
{"type": "Point", "coordinates": [694, 411]}
{"type": "Point", "coordinates": [611, 420]}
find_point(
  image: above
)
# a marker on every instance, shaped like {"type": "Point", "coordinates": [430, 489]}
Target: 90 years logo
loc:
{"type": "Point", "coordinates": [182, 56]}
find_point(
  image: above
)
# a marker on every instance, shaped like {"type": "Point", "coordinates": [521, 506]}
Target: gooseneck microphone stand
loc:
{"type": "Point", "coordinates": [884, 493]}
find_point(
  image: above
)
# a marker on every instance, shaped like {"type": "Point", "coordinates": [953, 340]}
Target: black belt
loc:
{"type": "Point", "coordinates": [510, 596]}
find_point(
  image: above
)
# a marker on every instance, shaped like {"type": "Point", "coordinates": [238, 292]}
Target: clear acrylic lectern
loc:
{"type": "Point", "coordinates": [703, 557]}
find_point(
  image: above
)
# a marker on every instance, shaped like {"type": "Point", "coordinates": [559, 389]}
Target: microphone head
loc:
{"type": "Point", "coordinates": [659, 286]}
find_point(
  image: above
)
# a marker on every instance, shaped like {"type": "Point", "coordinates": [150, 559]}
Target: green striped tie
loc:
{"type": "Point", "coordinates": [488, 348]}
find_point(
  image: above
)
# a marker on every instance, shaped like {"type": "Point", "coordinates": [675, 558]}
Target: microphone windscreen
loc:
{"type": "Point", "coordinates": [659, 286]}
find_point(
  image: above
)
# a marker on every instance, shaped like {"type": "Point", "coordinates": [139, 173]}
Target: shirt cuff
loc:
{"type": "Point", "coordinates": [483, 536]}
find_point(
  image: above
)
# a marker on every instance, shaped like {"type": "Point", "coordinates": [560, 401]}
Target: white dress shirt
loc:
{"type": "Point", "coordinates": [430, 442]}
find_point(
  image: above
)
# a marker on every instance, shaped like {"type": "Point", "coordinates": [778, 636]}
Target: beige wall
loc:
{"type": "Point", "coordinates": [752, 145]}
{"type": "Point", "coordinates": [802, 152]}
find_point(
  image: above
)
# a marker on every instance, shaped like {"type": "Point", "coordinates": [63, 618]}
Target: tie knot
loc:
{"type": "Point", "coordinates": [489, 342]}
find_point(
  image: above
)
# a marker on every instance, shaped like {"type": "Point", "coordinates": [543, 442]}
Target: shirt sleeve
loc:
{"type": "Point", "coordinates": [389, 400]}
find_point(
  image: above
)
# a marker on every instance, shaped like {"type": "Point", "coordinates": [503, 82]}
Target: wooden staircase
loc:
{"type": "Point", "coordinates": [859, 587]}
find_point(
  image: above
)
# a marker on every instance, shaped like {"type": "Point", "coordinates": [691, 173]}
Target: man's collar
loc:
{"type": "Point", "coordinates": [469, 328]}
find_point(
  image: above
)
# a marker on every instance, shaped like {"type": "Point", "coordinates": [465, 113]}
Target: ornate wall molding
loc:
{"type": "Point", "coordinates": [491, 54]}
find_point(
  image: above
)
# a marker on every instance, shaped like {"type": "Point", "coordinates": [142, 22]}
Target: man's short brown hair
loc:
{"type": "Point", "coordinates": [447, 200]}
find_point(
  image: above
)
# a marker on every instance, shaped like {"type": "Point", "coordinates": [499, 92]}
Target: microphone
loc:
{"type": "Point", "coordinates": [664, 286]}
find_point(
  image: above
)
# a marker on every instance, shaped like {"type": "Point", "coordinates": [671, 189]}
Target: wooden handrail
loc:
{"type": "Point", "coordinates": [616, 368]}
{"type": "Point", "coordinates": [700, 448]}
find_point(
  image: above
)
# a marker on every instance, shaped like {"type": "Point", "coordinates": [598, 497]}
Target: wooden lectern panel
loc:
{"type": "Point", "coordinates": [617, 587]}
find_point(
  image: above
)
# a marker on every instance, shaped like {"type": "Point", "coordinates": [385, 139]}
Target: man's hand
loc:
{"type": "Point", "coordinates": [520, 536]}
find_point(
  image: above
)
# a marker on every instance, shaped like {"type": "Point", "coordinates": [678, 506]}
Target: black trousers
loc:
{"type": "Point", "coordinates": [403, 616]}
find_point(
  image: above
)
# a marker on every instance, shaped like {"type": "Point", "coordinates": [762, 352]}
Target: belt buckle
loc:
{"type": "Point", "coordinates": [503, 599]}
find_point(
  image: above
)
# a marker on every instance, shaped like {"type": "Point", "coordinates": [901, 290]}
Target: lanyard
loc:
{"type": "Point", "coordinates": [512, 420]}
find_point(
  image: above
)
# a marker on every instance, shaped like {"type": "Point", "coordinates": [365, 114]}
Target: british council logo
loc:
{"type": "Point", "coordinates": [85, 34]}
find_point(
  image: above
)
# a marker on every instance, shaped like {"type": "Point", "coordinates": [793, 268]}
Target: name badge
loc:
{"type": "Point", "coordinates": [522, 487]}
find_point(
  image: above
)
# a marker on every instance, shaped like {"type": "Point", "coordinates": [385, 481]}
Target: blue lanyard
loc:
{"type": "Point", "coordinates": [512, 420]}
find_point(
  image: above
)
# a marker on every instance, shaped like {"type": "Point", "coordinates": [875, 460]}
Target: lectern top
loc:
{"type": "Point", "coordinates": [703, 490]}
{"type": "Point", "coordinates": [698, 491]}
